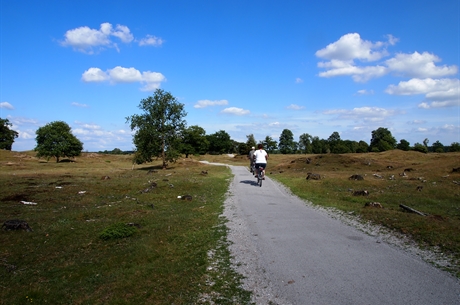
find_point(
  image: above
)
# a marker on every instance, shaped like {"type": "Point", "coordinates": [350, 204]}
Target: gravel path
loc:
{"type": "Point", "coordinates": [291, 252]}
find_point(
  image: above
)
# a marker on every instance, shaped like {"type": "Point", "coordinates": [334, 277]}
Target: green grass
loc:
{"type": "Point", "coordinates": [164, 259]}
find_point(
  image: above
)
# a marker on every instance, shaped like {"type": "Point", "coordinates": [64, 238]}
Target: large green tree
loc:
{"type": "Point", "coordinates": [382, 140]}
{"type": "Point", "coordinates": [403, 145]}
{"type": "Point", "coordinates": [455, 146]}
{"type": "Point", "coordinates": [286, 143]}
{"type": "Point", "coordinates": [194, 141]}
{"type": "Point", "coordinates": [305, 143]}
{"type": "Point", "coordinates": [251, 141]}
{"type": "Point", "coordinates": [158, 129]}
{"type": "Point", "coordinates": [220, 142]}
{"type": "Point", "coordinates": [7, 135]}
{"type": "Point", "coordinates": [55, 139]}
{"type": "Point", "coordinates": [269, 144]}
{"type": "Point", "coordinates": [438, 147]}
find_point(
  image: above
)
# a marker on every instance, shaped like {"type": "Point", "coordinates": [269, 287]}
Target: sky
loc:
{"type": "Point", "coordinates": [245, 67]}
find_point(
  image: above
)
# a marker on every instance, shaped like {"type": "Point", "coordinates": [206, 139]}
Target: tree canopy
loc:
{"type": "Point", "coordinates": [158, 129]}
{"type": "Point", "coordinates": [55, 139]}
{"type": "Point", "coordinates": [382, 140]}
{"type": "Point", "coordinates": [194, 141]}
{"type": "Point", "coordinates": [286, 143]}
{"type": "Point", "coordinates": [7, 135]}
{"type": "Point", "coordinates": [220, 142]}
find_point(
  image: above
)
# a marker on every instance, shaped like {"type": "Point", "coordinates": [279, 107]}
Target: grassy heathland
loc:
{"type": "Point", "coordinates": [105, 233]}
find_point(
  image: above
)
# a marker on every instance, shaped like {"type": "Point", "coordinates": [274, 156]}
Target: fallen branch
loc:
{"type": "Point", "coordinates": [405, 207]}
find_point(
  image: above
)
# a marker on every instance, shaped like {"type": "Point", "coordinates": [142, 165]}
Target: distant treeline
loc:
{"type": "Point", "coordinates": [195, 141]}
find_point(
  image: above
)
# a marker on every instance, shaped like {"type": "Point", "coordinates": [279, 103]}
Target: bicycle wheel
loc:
{"type": "Point", "coordinates": [259, 180]}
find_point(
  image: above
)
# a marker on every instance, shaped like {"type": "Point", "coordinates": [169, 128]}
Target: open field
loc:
{"type": "Point", "coordinates": [177, 251]}
{"type": "Point", "coordinates": [176, 254]}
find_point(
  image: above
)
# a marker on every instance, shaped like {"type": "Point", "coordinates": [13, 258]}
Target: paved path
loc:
{"type": "Point", "coordinates": [307, 257]}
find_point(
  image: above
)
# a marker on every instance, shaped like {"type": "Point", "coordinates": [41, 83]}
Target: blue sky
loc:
{"type": "Point", "coordinates": [246, 67]}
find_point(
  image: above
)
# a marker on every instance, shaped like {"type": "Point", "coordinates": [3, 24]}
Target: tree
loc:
{"type": "Point", "coordinates": [194, 141]}
{"type": "Point", "coordinates": [55, 139]}
{"type": "Point", "coordinates": [438, 147]}
{"type": "Point", "coordinates": [220, 142]}
{"type": "Point", "coordinates": [455, 146]}
{"type": "Point", "coordinates": [251, 142]}
{"type": "Point", "coordinates": [158, 128]}
{"type": "Point", "coordinates": [7, 135]}
{"type": "Point", "coordinates": [286, 143]}
{"type": "Point", "coordinates": [420, 148]}
{"type": "Point", "coordinates": [403, 145]}
{"type": "Point", "coordinates": [317, 145]}
{"type": "Point", "coordinates": [382, 140]}
{"type": "Point", "coordinates": [305, 143]}
{"type": "Point", "coordinates": [269, 144]}
{"type": "Point", "coordinates": [425, 143]}
{"type": "Point", "coordinates": [363, 147]}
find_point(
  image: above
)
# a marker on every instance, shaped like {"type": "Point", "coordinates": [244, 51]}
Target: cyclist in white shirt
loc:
{"type": "Point", "coordinates": [260, 159]}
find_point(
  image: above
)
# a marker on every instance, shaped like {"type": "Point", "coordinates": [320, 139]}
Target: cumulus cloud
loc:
{"type": "Point", "coordinates": [295, 107]}
{"type": "Point", "coordinates": [208, 103]}
{"type": "Point", "coordinates": [235, 111]}
{"type": "Point", "coordinates": [6, 105]}
{"type": "Point", "coordinates": [94, 75]}
{"type": "Point", "coordinates": [351, 46]}
{"type": "Point", "coordinates": [298, 80]}
{"type": "Point", "coordinates": [150, 80]}
{"type": "Point", "coordinates": [372, 114]}
{"type": "Point", "coordinates": [151, 40]}
{"type": "Point", "coordinates": [87, 40]}
{"type": "Point", "coordinates": [419, 65]}
{"type": "Point", "coordinates": [422, 86]}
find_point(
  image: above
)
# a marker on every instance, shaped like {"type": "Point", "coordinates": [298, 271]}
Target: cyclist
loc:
{"type": "Point", "coordinates": [260, 158]}
{"type": "Point", "coordinates": [251, 158]}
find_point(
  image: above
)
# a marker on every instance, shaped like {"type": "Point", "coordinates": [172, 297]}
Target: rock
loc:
{"type": "Point", "coordinates": [16, 224]}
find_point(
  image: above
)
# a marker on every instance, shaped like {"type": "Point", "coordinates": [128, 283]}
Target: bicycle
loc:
{"type": "Point", "coordinates": [260, 176]}
{"type": "Point", "coordinates": [252, 168]}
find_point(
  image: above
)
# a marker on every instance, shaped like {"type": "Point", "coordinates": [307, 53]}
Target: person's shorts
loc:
{"type": "Point", "coordinates": [263, 165]}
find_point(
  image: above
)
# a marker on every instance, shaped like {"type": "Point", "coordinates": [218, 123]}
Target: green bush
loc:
{"type": "Point", "coordinates": [117, 230]}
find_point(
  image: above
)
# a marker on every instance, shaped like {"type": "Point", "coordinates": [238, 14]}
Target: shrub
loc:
{"type": "Point", "coordinates": [117, 230]}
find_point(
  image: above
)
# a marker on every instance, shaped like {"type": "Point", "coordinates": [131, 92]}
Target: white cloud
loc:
{"type": "Point", "coordinates": [295, 107]}
{"type": "Point", "coordinates": [124, 75]}
{"type": "Point", "coordinates": [84, 39]}
{"type": "Point", "coordinates": [419, 65]}
{"type": "Point", "coordinates": [207, 103]}
{"type": "Point", "coordinates": [359, 74]}
{"type": "Point", "coordinates": [365, 92]}
{"type": "Point", "coordinates": [235, 111]}
{"type": "Point", "coordinates": [123, 33]}
{"type": "Point", "coordinates": [422, 86]}
{"type": "Point", "coordinates": [79, 105]}
{"type": "Point", "coordinates": [151, 40]}
{"type": "Point", "coordinates": [94, 75]}
{"type": "Point", "coordinates": [150, 80]}
{"type": "Point", "coordinates": [298, 80]}
{"type": "Point", "coordinates": [351, 46]}
{"type": "Point", "coordinates": [6, 105]}
{"type": "Point", "coordinates": [362, 114]}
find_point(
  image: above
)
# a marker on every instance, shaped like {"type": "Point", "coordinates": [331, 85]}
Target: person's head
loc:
{"type": "Point", "coordinates": [253, 148]}
{"type": "Point", "coordinates": [260, 146]}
